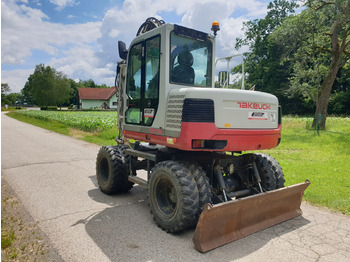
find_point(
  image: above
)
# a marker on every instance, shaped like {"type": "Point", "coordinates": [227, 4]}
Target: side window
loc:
{"type": "Point", "coordinates": [133, 116]}
{"type": "Point", "coordinates": [152, 80]}
{"type": "Point", "coordinates": [133, 84]}
{"type": "Point", "coordinates": [152, 68]}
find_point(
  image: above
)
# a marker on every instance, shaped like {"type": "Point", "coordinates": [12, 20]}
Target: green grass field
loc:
{"type": "Point", "coordinates": [323, 159]}
{"type": "Point", "coordinates": [303, 154]}
{"type": "Point", "coordinates": [94, 127]}
{"type": "Point", "coordinates": [86, 120]}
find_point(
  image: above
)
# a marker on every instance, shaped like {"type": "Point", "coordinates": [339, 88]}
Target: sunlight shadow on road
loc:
{"type": "Point", "coordinates": [125, 231]}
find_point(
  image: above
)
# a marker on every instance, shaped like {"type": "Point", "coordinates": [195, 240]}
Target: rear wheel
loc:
{"type": "Point", "coordinates": [270, 172]}
{"type": "Point", "coordinates": [173, 196]}
{"type": "Point", "coordinates": [112, 170]}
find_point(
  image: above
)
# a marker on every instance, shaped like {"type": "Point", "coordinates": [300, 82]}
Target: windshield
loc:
{"type": "Point", "coordinates": [190, 61]}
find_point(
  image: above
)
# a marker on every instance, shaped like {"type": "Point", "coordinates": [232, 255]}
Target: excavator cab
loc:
{"type": "Point", "coordinates": [165, 58]}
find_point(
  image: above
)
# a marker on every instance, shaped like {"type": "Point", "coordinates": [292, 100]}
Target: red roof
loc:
{"type": "Point", "coordinates": [96, 93]}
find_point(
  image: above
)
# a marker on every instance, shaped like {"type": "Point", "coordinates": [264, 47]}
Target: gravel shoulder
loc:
{"type": "Point", "coordinates": [21, 237]}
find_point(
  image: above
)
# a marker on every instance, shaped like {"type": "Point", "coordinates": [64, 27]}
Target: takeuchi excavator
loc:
{"type": "Point", "coordinates": [190, 136]}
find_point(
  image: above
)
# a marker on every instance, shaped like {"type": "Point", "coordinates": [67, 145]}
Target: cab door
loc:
{"type": "Point", "coordinates": [142, 83]}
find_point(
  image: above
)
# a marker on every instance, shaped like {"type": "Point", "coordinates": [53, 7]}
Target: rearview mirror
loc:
{"type": "Point", "coordinates": [123, 52]}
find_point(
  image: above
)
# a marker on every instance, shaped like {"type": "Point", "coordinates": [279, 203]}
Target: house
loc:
{"type": "Point", "coordinates": [104, 98]}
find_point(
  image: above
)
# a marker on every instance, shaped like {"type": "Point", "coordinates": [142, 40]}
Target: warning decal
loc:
{"type": "Point", "coordinates": [148, 112]}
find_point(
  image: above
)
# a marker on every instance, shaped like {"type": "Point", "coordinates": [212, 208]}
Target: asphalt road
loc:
{"type": "Point", "coordinates": [54, 177]}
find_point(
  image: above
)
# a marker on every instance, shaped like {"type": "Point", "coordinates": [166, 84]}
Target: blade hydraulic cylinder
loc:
{"type": "Point", "coordinates": [225, 222]}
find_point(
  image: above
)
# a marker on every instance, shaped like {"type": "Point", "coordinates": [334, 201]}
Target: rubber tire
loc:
{"type": "Point", "coordinates": [173, 196]}
{"type": "Point", "coordinates": [270, 172]}
{"type": "Point", "coordinates": [112, 170]}
{"type": "Point", "coordinates": [203, 185]}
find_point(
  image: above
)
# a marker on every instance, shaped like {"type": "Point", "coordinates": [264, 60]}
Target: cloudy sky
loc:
{"type": "Point", "coordinates": [79, 37]}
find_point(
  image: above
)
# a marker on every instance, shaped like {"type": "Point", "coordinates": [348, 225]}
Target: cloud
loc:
{"type": "Point", "coordinates": [89, 50]}
{"type": "Point", "coordinates": [61, 4]}
{"type": "Point", "coordinates": [26, 29]}
{"type": "Point", "coordinates": [16, 79]}
{"type": "Point", "coordinates": [81, 62]}
{"type": "Point", "coordinates": [122, 22]}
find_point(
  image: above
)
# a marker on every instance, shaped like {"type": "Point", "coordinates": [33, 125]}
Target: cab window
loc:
{"type": "Point", "coordinates": [190, 61]}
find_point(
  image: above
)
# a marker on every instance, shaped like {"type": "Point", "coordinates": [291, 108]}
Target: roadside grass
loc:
{"type": "Point", "coordinates": [7, 236]}
{"type": "Point", "coordinates": [302, 153]}
{"type": "Point", "coordinates": [12, 108]}
{"type": "Point", "coordinates": [84, 120]}
{"type": "Point", "coordinates": [323, 159]}
{"type": "Point", "coordinates": [102, 137]}
{"type": "Point", "coordinates": [49, 125]}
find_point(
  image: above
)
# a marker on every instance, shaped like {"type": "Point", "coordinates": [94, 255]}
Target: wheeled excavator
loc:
{"type": "Point", "coordinates": [190, 137]}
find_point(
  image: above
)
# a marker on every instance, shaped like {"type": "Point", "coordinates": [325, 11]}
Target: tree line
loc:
{"type": "Point", "coordinates": [47, 87]}
{"type": "Point", "coordinates": [301, 58]}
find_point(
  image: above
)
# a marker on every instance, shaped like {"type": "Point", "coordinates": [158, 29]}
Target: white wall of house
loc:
{"type": "Point", "coordinates": [88, 104]}
{"type": "Point", "coordinates": [113, 102]}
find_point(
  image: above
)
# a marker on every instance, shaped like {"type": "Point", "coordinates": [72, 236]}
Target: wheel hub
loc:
{"type": "Point", "coordinates": [166, 197]}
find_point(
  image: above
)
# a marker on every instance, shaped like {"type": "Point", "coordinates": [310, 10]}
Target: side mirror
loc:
{"type": "Point", "coordinates": [123, 52]}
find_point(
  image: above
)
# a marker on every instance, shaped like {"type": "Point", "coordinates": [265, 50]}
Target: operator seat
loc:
{"type": "Point", "coordinates": [183, 73]}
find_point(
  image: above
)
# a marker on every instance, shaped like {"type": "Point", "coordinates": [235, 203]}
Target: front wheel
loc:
{"type": "Point", "coordinates": [173, 196]}
{"type": "Point", "coordinates": [112, 170]}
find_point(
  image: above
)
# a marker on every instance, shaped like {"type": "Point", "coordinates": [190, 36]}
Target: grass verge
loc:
{"type": "Point", "coordinates": [104, 137]}
{"type": "Point", "coordinates": [12, 108]}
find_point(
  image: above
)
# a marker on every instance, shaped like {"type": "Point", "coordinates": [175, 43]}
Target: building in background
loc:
{"type": "Point", "coordinates": [101, 98]}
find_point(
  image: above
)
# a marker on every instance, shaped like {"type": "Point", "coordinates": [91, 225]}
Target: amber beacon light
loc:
{"type": "Point", "coordinates": [215, 27]}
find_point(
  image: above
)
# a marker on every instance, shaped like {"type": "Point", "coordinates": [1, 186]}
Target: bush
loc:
{"type": "Point", "coordinates": [50, 108]}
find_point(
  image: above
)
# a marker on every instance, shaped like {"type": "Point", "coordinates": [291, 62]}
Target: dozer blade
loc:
{"type": "Point", "coordinates": [225, 222]}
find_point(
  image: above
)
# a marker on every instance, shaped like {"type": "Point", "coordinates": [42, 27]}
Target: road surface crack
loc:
{"type": "Point", "coordinates": [45, 163]}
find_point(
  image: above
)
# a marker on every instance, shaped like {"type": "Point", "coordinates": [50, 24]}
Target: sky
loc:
{"type": "Point", "coordinates": [79, 38]}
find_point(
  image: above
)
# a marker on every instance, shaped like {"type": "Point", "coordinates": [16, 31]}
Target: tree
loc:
{"type": "Point", "coordinates": [4, 88]}
{"type": "Point", "coordinates": [262, 62]}
{"type": "Point", "coordinates": [48, 87]}
{"type": "Point", "coordinates": [316, 42]}
{"type": "Point", "coordinates": [62, 89]}
{"type": "Point", "coordinates": [74, 99]}
{"type": "Point", "coordinates": [14, 98]}
{"type": "Point", "coordinates": [87, 83]}
{"type": "Point", "coordinates": [90, 84]}
{"type": "Point", "coordinates": [26, 93]}
{"type": "Point", "coordinates": [340, 39]}
{"type": "Point", "coordinates": [340, 99]}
